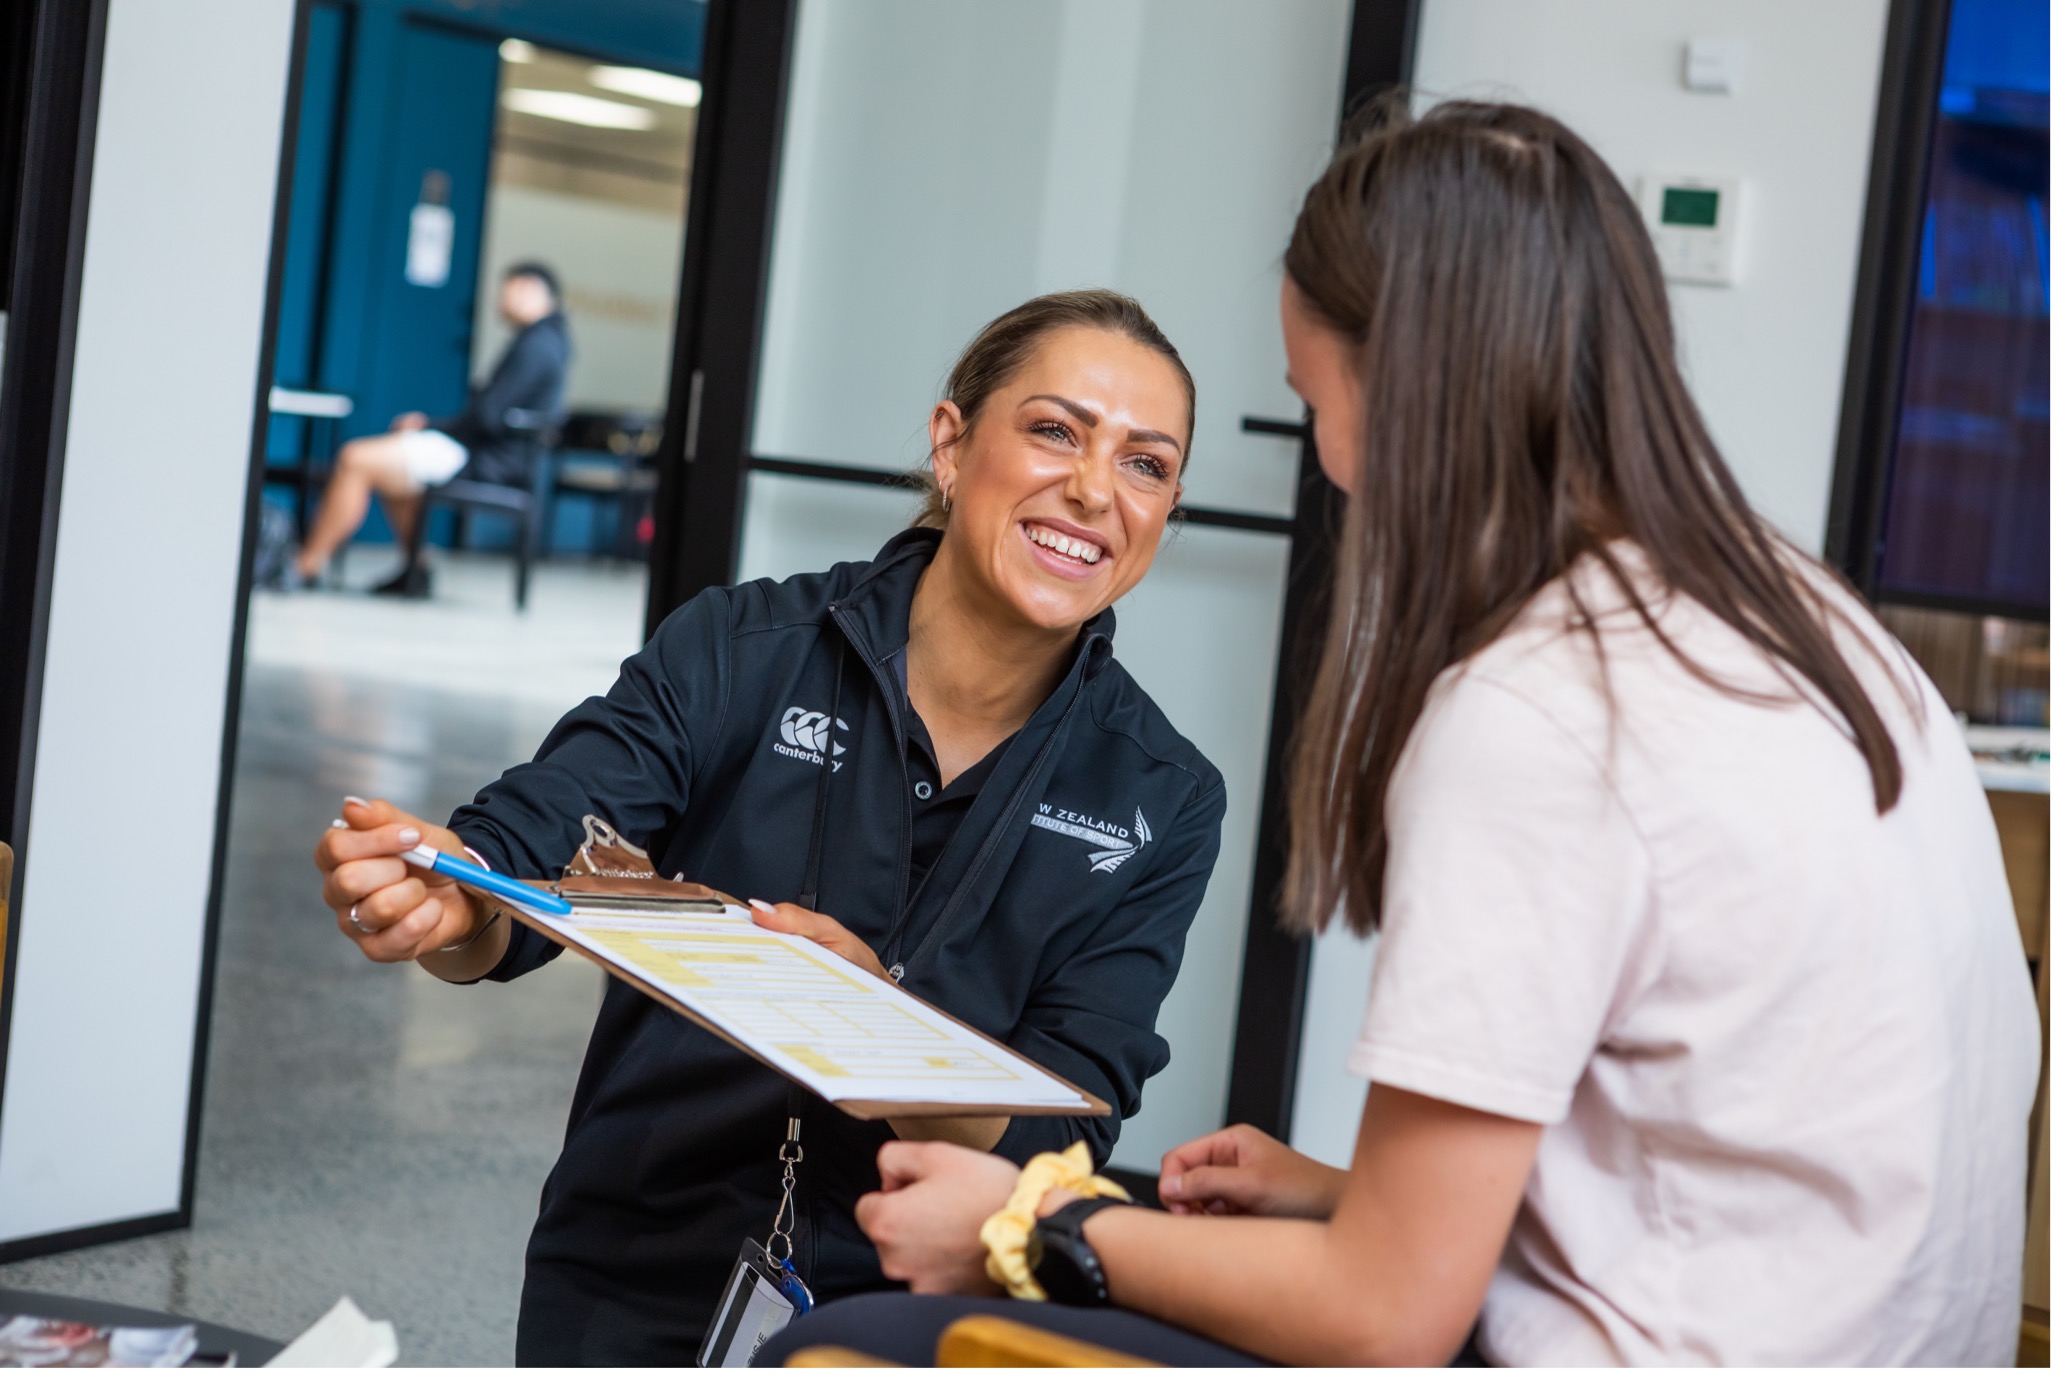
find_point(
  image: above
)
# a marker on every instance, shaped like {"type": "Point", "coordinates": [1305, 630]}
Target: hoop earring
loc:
{"type": "Point", "coordinates": [946, 501]}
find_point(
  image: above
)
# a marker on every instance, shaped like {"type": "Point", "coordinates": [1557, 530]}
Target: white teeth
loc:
{"type": "Point", "coordinates": [1070, 548]}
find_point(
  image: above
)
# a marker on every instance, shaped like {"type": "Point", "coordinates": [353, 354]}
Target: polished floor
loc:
{"type": "Point", "coordinates": [368, 1130]}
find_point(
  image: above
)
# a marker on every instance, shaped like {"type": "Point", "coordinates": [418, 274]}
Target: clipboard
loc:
{"type": "Point", "coordinates": [783, 1000]}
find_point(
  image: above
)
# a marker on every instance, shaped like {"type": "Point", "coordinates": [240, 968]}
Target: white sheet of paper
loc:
{"type": "Point", "coordinates": [812, 1014]}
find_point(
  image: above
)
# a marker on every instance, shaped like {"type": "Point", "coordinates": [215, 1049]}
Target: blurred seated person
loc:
{"type": "Point", "coordinates": [420, 452]}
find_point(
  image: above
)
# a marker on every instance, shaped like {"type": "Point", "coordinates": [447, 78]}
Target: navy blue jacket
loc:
{"type": "Point", "coordinates": [1054, 921]}
{"type": "Point", "coordinates": [529, 376]}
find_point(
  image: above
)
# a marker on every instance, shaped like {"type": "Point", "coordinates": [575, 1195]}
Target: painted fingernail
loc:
{"type": "Point", "coordinates": [352, 797]}
{"type": "Point", "coordinates": [763, 906]}
{"type": "Point", "coordinates": [339, 824]}
{"type": "Point", "coordinates": [409, 836]}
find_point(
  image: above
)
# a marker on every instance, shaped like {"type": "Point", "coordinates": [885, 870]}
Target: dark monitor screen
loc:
{"type": "Point", "coordinates": [1967, 517]}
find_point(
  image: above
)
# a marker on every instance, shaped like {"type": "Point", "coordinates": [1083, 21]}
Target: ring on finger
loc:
{"type": "Point", "coordinates": [362, 929]}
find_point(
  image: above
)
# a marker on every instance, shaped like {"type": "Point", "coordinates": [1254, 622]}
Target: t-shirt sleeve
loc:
{"type": "Point", "coordinates": [1517, 916]}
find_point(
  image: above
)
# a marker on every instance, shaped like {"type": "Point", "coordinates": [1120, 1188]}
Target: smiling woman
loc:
{"type": "Point", "coordinates": [1010, 829]}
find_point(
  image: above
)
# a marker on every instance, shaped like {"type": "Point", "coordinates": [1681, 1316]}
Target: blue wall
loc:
{"type": "Point", "coordinates": [391, 88]}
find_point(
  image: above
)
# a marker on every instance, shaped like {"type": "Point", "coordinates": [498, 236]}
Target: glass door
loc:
{"type": "Point", "coordinates": [934, 164]}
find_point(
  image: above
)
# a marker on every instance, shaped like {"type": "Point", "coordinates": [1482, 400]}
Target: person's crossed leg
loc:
{"type": "Point", "coordinates": [396, 467]}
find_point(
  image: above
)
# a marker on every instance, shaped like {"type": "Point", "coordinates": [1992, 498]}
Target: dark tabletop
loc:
{"type": "Point", "coordinates": [250, 1350]}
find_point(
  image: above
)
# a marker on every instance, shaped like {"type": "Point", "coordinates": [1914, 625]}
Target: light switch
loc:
{"type": "Point", "coordinates": [1713, 65]}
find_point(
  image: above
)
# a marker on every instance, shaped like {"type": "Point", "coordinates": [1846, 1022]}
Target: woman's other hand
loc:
{"type": "Point", "coordinates": [1241, 1170]}
{"type": "Point", "coordinates": [977, 1133]}
{"type": "Point", "coordinates": [925, 1219]}
{"type": "Point", "coordinates": [402, 912]}
{"type": "Point", "coordinates": [823, 930]}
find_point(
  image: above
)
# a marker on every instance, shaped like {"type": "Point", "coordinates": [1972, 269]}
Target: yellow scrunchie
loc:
{"type": "Point", "coordinates": [1006, 1233]}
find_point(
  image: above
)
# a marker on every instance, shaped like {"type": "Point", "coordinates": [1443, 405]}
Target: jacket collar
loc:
{"type": "Point", "coordinates": [879, 603]}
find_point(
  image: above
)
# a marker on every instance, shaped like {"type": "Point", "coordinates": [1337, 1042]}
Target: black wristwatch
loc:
{"type": "Point", "coordinates": [1062, 1261]}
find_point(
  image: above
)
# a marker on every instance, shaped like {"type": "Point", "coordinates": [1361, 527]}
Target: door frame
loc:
{"type": "Point", "coordinates": [57, 119]}
{"type": "Point", "coordinates": [705, 458]}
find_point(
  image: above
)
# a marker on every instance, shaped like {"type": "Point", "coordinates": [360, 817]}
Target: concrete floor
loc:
{"type": "Point", "coordinates": [368, 1130]}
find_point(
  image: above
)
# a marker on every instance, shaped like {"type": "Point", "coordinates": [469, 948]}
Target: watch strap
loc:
{"type": "Point", "coordinates": [1064, 1262]}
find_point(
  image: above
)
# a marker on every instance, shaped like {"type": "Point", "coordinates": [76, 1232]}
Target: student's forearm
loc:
{"type": "Point", "coordinates": [1273, 1286]}
{"type": "Point", "coordinates": [978, 1133]}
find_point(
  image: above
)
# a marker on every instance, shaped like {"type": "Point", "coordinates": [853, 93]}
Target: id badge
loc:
{"type": "Point", "coordinates": [761, 1298]}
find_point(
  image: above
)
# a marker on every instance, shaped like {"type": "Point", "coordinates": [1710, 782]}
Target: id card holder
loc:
{"type": "Point", "coordinates": [764, 1294]}
{"type": "Point", "coordinates": [757, 1303]}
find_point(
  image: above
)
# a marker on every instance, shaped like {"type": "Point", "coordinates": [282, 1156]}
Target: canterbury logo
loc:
{"type": "Point", "coordinates": [1114, 845]}
{"type": "Point", "coordinates": [806, 736]}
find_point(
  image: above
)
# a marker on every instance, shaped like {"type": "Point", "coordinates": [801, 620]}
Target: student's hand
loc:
{"type": "Point", "coordinates": [410, 420]}
{"type": "Point", "coordinates": [926, 1218]}
{"type": "Point", "coordinates": [824, 931]}
{"type": "Point", "coordinates": [1241, 1170]}
{"type": "Point", "coordinates": [402, 912]}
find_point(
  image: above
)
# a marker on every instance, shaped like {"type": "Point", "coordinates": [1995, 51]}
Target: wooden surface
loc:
{"type": "Point", "coordinates": [2024, 821]}
{"type": "Point", "coordinates": [834, 1358]}
{"type": "Point", "coordinates": [988, 1340]}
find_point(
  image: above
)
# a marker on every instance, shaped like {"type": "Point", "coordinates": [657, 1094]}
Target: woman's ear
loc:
{"type": "Point", "coordinates": [946, 428]}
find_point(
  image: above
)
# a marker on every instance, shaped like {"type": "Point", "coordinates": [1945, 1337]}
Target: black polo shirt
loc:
{"type": "Point", "coordinates": [937, 809]}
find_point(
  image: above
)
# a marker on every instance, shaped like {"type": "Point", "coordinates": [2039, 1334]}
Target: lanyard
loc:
{"type": "Point", "coordinates": [811, 881]}
{"type": "Point", "coordinates": [779, 1246]}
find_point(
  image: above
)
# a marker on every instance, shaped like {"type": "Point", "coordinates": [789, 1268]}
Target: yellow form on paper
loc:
{"type": "Point", "coordinates": [812, 1015]}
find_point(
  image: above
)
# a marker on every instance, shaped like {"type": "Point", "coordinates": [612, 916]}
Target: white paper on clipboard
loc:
{"type": "Point", "coordinates": [812, 1015]}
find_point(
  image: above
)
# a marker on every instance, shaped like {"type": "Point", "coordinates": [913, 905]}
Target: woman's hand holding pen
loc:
{"type": "Point", "coordinates": [393, 910]}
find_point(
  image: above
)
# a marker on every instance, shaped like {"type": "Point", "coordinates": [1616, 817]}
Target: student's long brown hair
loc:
{"type": "Point", "coordinates": [1522, 409]}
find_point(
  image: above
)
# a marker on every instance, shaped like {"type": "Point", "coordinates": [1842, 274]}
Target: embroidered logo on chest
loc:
{"type": "Point", "coordinates": [804, 734]}
{"type": "Point", "coordinates": [1112, 845]}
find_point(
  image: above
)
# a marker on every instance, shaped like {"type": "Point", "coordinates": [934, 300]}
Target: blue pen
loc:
{"type": "Point", "coordinates": [428, 857]}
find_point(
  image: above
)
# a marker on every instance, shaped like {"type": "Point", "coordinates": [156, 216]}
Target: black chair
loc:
{"type": "Point", "coordinates": [527, 504]}
{"type": "Point", "coordinates": [604, 456]}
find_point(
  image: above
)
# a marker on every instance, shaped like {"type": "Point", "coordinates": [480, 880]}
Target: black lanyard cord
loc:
{"type": "Point", "coordinates": [811, 880]}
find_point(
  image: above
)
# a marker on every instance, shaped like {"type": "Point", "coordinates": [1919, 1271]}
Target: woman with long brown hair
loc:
{"type": "Point", "coordinates": [1699, 1029]}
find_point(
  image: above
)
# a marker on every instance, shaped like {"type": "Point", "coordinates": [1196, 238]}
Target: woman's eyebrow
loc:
{"type": "Point", "coordinates": [1089, 420]}
{"type": "Point", "coordinates": [1079, 412]}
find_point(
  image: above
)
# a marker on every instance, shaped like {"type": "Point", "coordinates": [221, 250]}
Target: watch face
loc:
{"type": "Point", "coordinates": [1065, 1266]}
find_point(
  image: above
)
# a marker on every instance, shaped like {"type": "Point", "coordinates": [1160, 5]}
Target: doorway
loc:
{"type": "Point", "coordinates": [353, 1113]}
{"type": "Point", "coordinates": [887, 175]}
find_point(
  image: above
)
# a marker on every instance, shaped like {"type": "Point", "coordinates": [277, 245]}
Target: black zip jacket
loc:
{"type": "Point", "coordinates": [1053, 920]}
{"type": "Point", "coordinates": [528, 376]}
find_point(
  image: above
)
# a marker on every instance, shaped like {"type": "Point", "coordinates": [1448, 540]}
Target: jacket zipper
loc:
{"type": "Point", "coordinates": [907, 808]}
{"type": "Point", "coordinates": [993, 837]}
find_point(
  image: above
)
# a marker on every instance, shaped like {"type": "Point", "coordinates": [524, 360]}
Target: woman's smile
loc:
{"type": "Point", "coordinates": [1068, 550]}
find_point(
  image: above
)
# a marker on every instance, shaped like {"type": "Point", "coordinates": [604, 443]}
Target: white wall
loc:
{"type": "Point", "coordinates": [128, 764]}
{"type": "Point", "coordinates": [1765, 358]}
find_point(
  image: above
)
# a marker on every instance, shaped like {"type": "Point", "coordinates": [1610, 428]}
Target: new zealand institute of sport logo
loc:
{"type": "Point", "coordinates": [806, 734]}
{"type": "Point", "coordinates": [1113, 845]}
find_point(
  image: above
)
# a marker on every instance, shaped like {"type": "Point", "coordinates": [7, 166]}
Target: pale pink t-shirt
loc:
{"type": "Point", "coordinates": [1784, 1048]}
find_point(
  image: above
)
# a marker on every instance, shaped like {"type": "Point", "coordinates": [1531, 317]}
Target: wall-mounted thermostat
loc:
{"type": "Point", "coordinates": [1695, 223]}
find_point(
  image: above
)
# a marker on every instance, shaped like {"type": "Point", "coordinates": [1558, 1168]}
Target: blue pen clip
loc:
{"type": "Point", "coordinates": [477, 876]}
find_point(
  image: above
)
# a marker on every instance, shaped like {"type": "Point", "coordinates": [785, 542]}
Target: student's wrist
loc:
{"type": "Point", "coordinates": [1054, 1200]}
